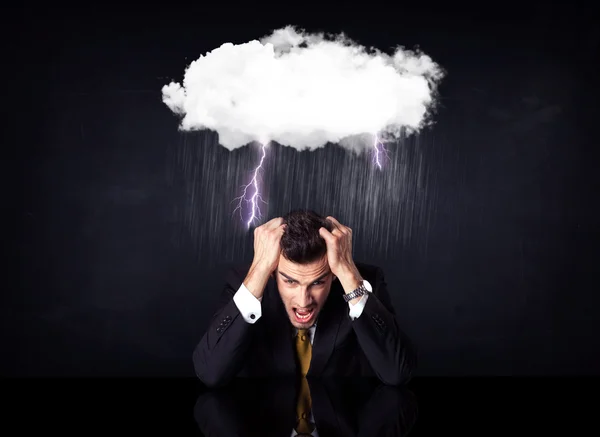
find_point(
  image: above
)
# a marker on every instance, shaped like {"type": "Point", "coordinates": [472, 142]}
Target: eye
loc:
{"type": "Point", "coordinates": [289, 281]}
{"type": "Point", "coordinates": [318, 282]}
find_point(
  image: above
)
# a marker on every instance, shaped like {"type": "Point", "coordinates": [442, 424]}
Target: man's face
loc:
{"type": "Point", "coordinates": [304, 289]}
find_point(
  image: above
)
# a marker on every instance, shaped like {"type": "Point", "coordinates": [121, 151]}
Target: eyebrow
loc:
{"type": "Point", "coordinates": [314, 280]}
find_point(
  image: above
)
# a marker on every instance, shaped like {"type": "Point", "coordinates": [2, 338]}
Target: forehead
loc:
{"type": "Point", "coordinates": [314, 269]}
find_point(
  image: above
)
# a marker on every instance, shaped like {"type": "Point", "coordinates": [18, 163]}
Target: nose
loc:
{"type": "Point", "coordinates": [304, 298]}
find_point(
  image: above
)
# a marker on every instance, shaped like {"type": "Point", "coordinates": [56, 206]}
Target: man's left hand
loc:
{"type": "Point", "coordinates": [339, 254]}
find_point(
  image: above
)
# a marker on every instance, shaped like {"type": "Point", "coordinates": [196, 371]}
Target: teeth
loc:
{"type": "Point", "coordinates": [305, 315]}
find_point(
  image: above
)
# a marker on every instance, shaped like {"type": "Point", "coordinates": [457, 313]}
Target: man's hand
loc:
{"type": "Point", "coordinates": [339, 254]}
{"type": "Point", "coordinates": [266, 244]}
{"type": "Point", "coordinates": [267, 238]}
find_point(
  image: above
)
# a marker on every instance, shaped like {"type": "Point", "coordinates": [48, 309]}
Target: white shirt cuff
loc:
{"type": "Point", "coordinates": [248, 305]}
{"type": "Point", "coordinates": [357, 309]}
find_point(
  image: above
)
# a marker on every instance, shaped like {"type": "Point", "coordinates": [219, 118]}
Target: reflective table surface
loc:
{"type": "Point", "coordinates": [344, 407]}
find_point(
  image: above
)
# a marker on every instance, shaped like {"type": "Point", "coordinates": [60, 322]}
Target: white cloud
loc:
{"type": "Point", "coordinates": [304, 90]}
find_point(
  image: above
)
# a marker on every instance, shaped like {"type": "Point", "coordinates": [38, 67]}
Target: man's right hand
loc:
{"type": "Point", "coordinates": [267, 238]}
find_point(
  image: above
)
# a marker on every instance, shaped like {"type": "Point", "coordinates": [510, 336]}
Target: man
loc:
{"type": "Point", "coordinates": [304, 307]}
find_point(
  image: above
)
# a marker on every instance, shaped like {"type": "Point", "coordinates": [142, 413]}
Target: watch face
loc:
{"type": "Point", "coordinates": [367, 285]}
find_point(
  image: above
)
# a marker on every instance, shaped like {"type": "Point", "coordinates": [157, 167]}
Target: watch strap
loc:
{"type": "Point", "coordinates": [361, 290]}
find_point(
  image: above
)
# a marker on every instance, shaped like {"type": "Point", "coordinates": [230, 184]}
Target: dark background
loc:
{"type": "Point", "coordinates": [97, 284]}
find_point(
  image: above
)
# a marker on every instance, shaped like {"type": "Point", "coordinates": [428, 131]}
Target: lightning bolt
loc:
{"type": "Point", "coordinates": [377, 154]}
{"type": "Point", "coordinates": [255, 197]}
{"type": "Point", "coordinates": [253, 186]}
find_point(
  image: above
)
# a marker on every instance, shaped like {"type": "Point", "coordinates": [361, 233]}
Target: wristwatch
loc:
{"type": "Point", "coordinates": [363, 288]}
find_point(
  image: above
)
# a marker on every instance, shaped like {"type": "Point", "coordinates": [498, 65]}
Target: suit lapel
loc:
{"type": "Point", "coordinates": [326, 333]}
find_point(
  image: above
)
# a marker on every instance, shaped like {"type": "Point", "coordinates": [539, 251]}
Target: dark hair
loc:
{"type": "Point", "coordinates": [301, 242]}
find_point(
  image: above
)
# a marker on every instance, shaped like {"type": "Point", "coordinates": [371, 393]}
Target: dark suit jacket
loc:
{"type": "Point", "coordinates": [256, 407]}
{"type": "Point", "coordinates": [373, 345]}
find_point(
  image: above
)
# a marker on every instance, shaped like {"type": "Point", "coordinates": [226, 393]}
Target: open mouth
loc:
{"type": "Point", "coordinates": [303, 315]}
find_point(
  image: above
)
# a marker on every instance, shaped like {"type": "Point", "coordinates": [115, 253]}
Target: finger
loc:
{"type": "Point", "coordinates": [278, 231]}
{"type": "Point", "coordinates": [335, 221]}
{"type": "Point", "coordinates": [336, 230]}
{"type": "Point", "coordinates": [274, 223]}
{"type": "Point", "coordinates": [327, 236]}
{"type": "Point", "coordinates": [337, 225]}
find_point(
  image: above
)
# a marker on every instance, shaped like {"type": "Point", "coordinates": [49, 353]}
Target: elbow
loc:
{"type": "Point", "coordinates": [403, 370]}
{"type": "Point", "coordinates": [208, 374]}
{"type": "Point", "coordinates": [211, 379]}
{"type": "Point", "coordinates": [400, 377]}
{"type": "Point", "coordinates": [407, 365]}
{"type": "Point", "coordinates": [405, 374]}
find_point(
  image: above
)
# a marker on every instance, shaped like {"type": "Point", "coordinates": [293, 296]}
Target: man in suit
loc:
{"type": "Point", "coordinates": [304, 307]}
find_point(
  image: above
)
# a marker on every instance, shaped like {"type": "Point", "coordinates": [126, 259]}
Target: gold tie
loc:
{"type": "Point", "coordinates": [303, 350]}
{"type": "Point", "coordinates": [304, 353]}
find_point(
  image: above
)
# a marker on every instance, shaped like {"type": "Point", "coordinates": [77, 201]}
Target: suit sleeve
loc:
{"type": "Point", "coordinates": [387, 348]}
{"type": "Point", "coordinates": [222, 351]}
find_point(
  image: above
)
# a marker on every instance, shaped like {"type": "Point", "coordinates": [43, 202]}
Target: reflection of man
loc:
{"type": "Point", "coordinates": [250, 407]}
{"type": "Point", "coordinates": [304, 307]}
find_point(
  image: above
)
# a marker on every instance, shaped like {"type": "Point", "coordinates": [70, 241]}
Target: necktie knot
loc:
{"type": "Point", "coordinates": [302, 334]}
